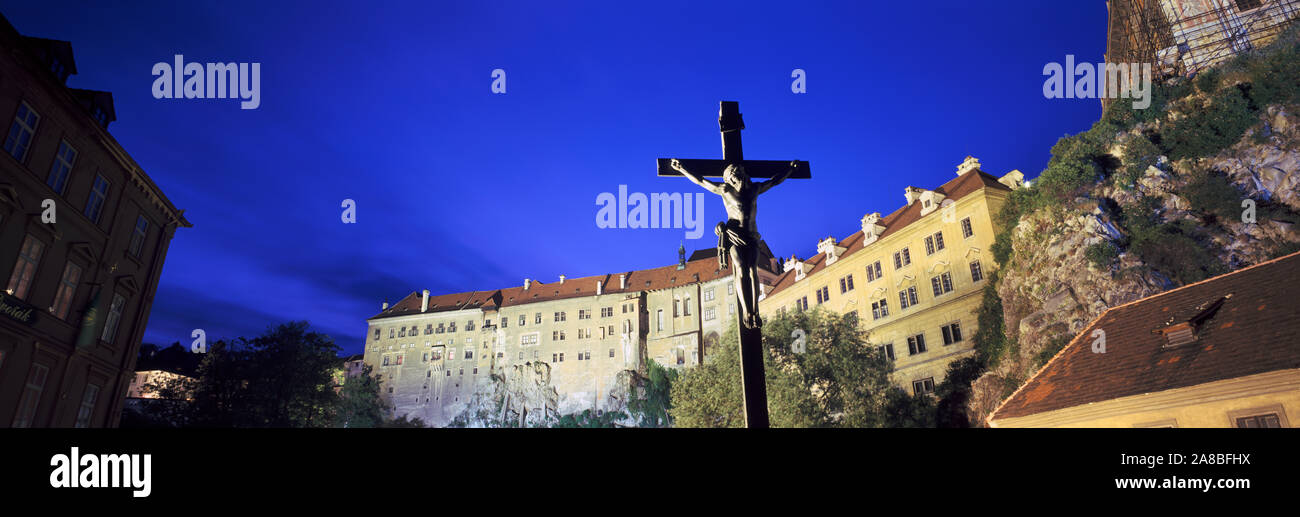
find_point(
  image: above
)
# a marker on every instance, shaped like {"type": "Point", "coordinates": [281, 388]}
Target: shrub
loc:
{"type": "Point", "coordinates": [1211, 192]}
{"type": "Point", "coordinates": [1101, 254]}
{"type": "Point", "coordinates": [1139, 154]}
{"type": "Point", "coordinates": [1206, 132]}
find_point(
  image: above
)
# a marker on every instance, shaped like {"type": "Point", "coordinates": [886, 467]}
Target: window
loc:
{"type": "Point", "coordinates": [67, 290]}
{"type": "Point", "coordinates": [888, 350]}
{"type": "Point", "coordinates": [469, 325]}
{"type": "Point", "coordinates": [442, 328]}
{"type": "Point", "coordinates": [951, 333]}
{"type": "Point", "coordinates": [731, 288]}
{"type": "Point", "coordinates": [138, 236]}
{"type": "Point", "coordinates": [21, 132]}
{"type": "Point", "coordinates": [675, 307]}
{"type": "Point", "coordinates": [934, 243]}
{"type": "Point", "coordinates": [87, 405]}
{"type": "Point", "coordinates": [538, 318]}
{"type": "Point", "coordinates": [504, 322]}
{"type": "Point", "coordinates": [907, 297]}
{"type": "Point", "coordinates": [451, 327]}
{"type": "Point", "coordinates": [686, 306]}
{"type": "Point", "coordinates": [560, 316]}
{"type": "Point", "coordinates": [1246, 5]}
{"type": "Point", "coordinates": [708, 295]}
{"type": "Point", "coordinates": [879, 309]}
{"type": "Point", "coordinates": [25, 269]}
{"type": "Point", "coordinates": [376, 334]}
{"type": "Point", "coordinates": [925, 385]}
{"type": "Point", "coordinates": [846, 284]}
{"type": "Point", "coordinates": [114, 316]}
{"type": "Point", "coordinates": [611, 353]}
{"type": "Point", "coordinates": [659, 320]}
{"type": "Point", "coordinates": [98, 195]}
{"type": "Point", "coordinates": [976, 271]}
{"type": "Point", "coordinates": [469, 353]}
{"type": "Point", "coordinates": [606, 312]}
{"type": "Point", "coordinates": [873, 271]}
{"type": "Point", "coordinates": [966, 230]}
{"type": "Point", "coordinates": [399, 358]}
{"type": "Point", "coordinates": [902, 258]}
{"type": "Point", "coordinates": [62, 167]}
{"type": "Point", "coordinates": [681, 356]}
{"type": "Point", "coordinates": [731, 306]}
{"type": "Point", "coordinates": [391, 333]}
{"type": "Point", "coordinates": [916, 344]}
{"type": "Point", "coordinates": [1270, 420]}
{"type": "Point", "coordinates": [31, 395]}
{"type": "Point", "coordinates": [823, 295]}
{"type": "Point", "coordinates": [582, 314]}
{"type": "Point", "coordinates": [402, 333]}
{"type": "Point", "coordinates": [800, 304]}
{"type": "Point", "coordinates": [710, 313]}
{"type": "Point", "coordinates": [561, 357]}
{"type": "Point", "coordinates": [528, 339]}
{"type": "Point", "coordinates": [941, 284]}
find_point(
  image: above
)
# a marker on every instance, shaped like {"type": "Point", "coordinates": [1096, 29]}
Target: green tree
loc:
{"type": "Point", "coordinates": [360, 404]}
{"type": "Point", "coordinates": [839, 381]}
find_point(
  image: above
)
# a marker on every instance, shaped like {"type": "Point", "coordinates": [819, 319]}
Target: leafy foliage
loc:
{"type": "Point", "coordinates": [1206, 130]}
{"type": "Point", "coordinates": [1101, 254]}
{"type": "Point", "coordinates": [652, 405]}
{"type": "Point", "coordinates": [840, 381]}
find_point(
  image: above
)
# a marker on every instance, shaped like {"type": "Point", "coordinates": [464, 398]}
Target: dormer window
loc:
{"type": "Point", "coordinates": [1184, 332]}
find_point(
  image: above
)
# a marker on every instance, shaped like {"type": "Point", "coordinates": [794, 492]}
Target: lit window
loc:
{"type": "Point", "coordinates": [67, 290]}
{"type": "Point", "coordinates": [25, 269]}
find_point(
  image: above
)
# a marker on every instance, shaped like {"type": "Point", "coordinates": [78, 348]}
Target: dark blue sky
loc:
{"type": "Point", "coordinates": [459, 189]}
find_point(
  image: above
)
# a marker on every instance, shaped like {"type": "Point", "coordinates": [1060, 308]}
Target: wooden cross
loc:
{"type": "Point", "coordinates": [738, 239]}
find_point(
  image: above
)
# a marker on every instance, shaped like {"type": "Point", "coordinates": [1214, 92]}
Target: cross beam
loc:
{"type": "Point", "coordinates": [730, 123]}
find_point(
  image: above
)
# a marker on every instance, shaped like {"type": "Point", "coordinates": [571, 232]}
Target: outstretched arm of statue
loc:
{"type": "Point", "coordinates": [767, 185]}
{"type": "Point", "coordinates": [696, 179]}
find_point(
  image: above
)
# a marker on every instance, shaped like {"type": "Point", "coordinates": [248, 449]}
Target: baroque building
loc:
{"type": "Point", "coordinates": [83, 235]}
{"type": "Point", "coordinates": [546, 349]}
{"type": "Point", "coordinates": [912, 278]}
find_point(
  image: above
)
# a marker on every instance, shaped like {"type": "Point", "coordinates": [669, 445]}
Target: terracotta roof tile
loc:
{"type": "Point", "coordinates": [1255, 330]}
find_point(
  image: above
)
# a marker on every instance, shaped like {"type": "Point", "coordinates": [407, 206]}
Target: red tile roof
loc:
{"type": "Point", "coordinates": [1255, 330]}
{"type": "Point", "coordinates": [643, 280]}
{"type": "Point", "coordinates": [954, 189]}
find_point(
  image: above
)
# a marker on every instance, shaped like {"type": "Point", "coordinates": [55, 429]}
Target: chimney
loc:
{"type": "Point", "coordinates": [424, 304]}
{"type": "Point", "coordinates": [970, 164]}
{"type": "Point", "coordinates": [599, 288]}
{"type": "Point", "coordinates": [912, 194]}
{"type": "Point", "coordinates": [561, 279]}
{"type": "Point", "coordinates": [385, 307]}
{"type": "Point", "coordinates": [622, 281]}
{"type": "Point", "coordinates": [526, 282]}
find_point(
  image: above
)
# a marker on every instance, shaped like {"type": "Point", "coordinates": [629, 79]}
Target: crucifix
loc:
{"type": "Point", "coordinates": [738, 238]}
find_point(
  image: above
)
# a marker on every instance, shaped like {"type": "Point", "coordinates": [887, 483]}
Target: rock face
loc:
{"type": "Point", "coordinates": [1050, 290]}
{"type": "Point", "coordinates": [524, 396]}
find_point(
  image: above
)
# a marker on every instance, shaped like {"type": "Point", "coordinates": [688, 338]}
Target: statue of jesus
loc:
{"type": "Point", "coordinates": [738, 237]}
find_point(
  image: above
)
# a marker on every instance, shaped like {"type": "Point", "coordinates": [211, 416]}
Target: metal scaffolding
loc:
{"type": "Point", "coordinates": [1182, 37]}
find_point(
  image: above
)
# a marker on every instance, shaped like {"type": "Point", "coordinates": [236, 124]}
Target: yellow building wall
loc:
{"type": "Point", "coordinates": [931, 312]}
{"type": "Point", "coordinates": [1215, 404]}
